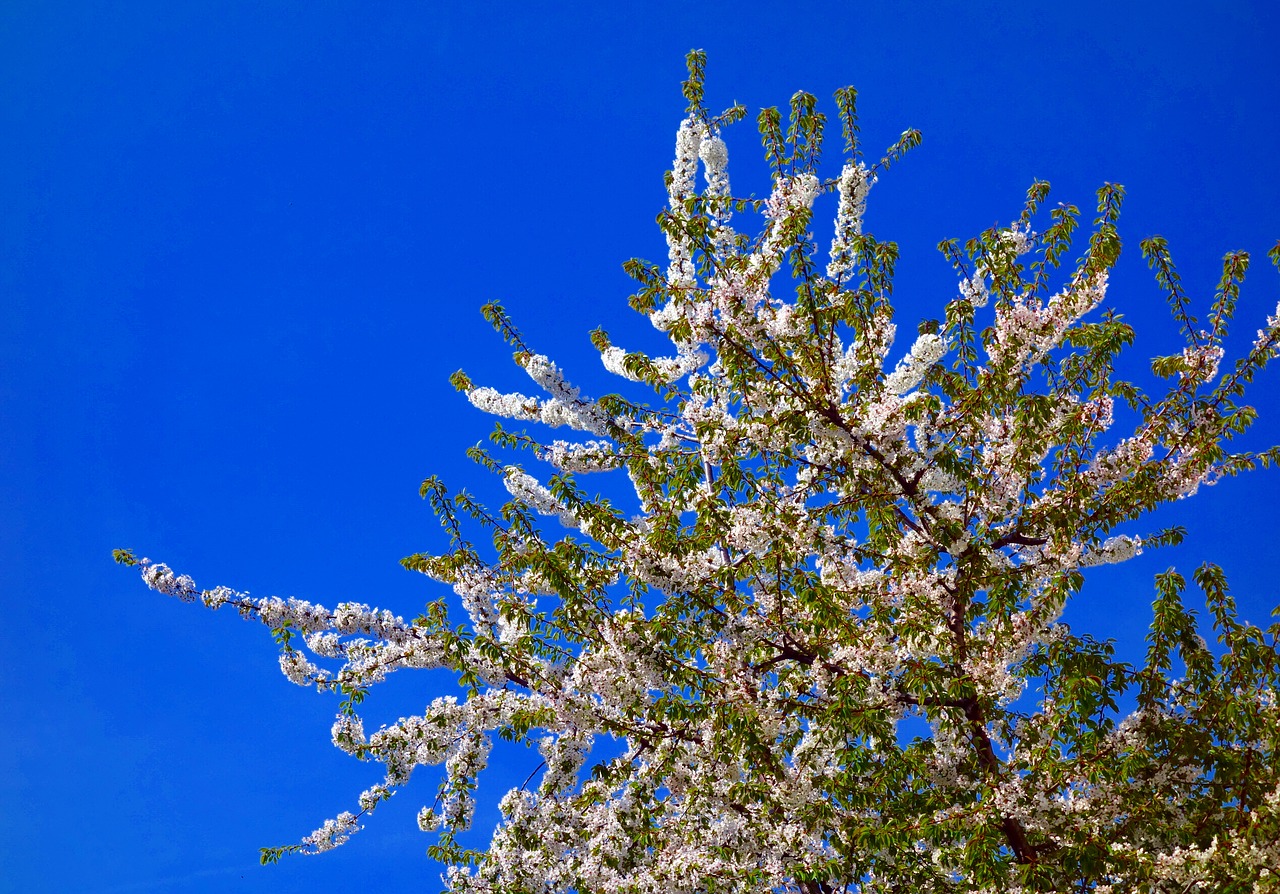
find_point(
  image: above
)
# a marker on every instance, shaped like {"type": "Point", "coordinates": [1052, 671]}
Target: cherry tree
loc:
{"type": "Point", "coordinates": [823, 636]}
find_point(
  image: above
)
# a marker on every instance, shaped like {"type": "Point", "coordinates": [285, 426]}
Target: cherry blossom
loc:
{"type": "Point", "coordinates": [817, 644]}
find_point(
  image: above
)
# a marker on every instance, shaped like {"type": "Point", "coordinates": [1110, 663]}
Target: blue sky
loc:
{"type": "Point", "coordinates": [243, 245]}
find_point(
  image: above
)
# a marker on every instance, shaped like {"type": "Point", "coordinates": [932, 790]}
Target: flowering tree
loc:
{"type": "Point", "coordinates": [825, 633]}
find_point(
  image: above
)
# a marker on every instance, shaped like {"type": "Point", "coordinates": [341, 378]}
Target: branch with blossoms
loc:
{"type": "Point", "coordinates": [823, 621]}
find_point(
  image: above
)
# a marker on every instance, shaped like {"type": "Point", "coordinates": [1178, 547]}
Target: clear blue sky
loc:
{"type": "Point", "coordinates": [243, 245]}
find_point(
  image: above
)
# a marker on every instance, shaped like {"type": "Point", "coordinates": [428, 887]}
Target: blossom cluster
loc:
{"type": "Point", "coordinates": [820, 632]}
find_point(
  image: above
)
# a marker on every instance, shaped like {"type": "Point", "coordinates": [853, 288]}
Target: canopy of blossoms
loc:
{"type": "Point", "coordinates": [824, 635]}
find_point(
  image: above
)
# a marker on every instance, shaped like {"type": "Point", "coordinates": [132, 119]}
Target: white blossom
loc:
{"type": "Point", "coordinates": [1114, 550]}
{"type": "Point", "coordinates": [927, 350]}
{"type": "Point", "coordinates": [854, 184]}
{"type": "Point", "coordinates": [333, 833]}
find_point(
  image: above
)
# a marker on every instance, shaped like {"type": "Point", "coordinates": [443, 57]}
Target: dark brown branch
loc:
{"type": "Point", "coordinates": [1018, 539]}
{"type": "Point", "coordinates": [1014, 833]}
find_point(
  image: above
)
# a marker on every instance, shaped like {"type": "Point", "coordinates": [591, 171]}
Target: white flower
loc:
{"type": "Point", "coordinates": [161, 578]}
{"type": "Point", "coordinates": [854, 184]}
{"type": "Point", "coordinates": [525, 488]}
{"type": "Point", "coordinates": [927, 350]}
{"type": "Point", "coordinates": [715, 159]}
{"type": "Point", "coordinates": [1115, 549]}
{"type": "Point", "coordinates": [333, 833]}
{"type": "Point", "coordinates": [1202, 362]}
